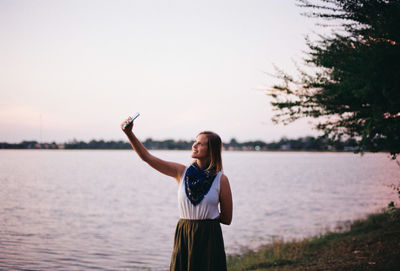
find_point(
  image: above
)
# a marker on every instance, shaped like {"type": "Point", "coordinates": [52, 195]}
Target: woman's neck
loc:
{"type": "Point", "coordinates": [202, 164]}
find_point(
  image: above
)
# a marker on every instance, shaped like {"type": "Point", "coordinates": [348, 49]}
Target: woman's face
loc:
{"type": "Point", "coordinates": [200, 147]}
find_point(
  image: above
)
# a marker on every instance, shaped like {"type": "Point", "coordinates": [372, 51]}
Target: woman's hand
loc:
{"type": "Point", "coordinates": [128, 128]}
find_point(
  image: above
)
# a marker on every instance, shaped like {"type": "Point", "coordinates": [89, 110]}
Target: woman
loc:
{"type": "Point", "coordinates": [198, 241]}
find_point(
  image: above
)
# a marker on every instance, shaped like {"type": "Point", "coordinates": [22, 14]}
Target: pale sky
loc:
{"type": "Point", "coordinates": [77, 69]}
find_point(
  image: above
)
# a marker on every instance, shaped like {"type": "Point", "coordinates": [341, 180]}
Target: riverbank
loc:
{"type": "Point", "coordinates": [369, 244]}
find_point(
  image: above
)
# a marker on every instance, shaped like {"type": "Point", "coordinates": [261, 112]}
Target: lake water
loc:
{"type": "Point", "coordinates": [107, 210]}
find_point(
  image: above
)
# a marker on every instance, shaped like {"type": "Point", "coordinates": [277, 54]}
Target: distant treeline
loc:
{"type": "Point", "coordinates": [301, 144]}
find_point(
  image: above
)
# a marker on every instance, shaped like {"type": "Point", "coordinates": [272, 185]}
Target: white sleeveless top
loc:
{"type": "Point", "coordinates": [207, 208]}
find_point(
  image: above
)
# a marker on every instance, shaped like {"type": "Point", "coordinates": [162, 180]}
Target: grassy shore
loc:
{"type": "Point", "coordinates": [369, 244]}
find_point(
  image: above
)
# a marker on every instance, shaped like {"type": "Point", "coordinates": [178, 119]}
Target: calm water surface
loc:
{"type": "Point", "coordinates": [107, 210]}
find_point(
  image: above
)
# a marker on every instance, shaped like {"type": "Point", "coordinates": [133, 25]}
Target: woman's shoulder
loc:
{"type": "Point", "coordinates": [224, 178]}
{"type": "Point", "coordinates": [225, 188]}
{"type": "Point", "coordinates": [181, 171]}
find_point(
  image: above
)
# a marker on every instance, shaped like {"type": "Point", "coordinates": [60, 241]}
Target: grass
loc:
{"type": "Point", "coordinates": [369, 244]}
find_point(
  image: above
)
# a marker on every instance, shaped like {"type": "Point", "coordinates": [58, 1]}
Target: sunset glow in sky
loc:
{"type": "Point", "coordinates": [77, 69]}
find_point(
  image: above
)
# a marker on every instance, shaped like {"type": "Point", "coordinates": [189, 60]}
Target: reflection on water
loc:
{"type": "Point", "coordinates": [107, 210]}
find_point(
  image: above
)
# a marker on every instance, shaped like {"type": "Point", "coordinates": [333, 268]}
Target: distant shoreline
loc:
{"type": "Point", "coordinates": [300, 144]}
{"type": "Point", "coordinates": [187, 150]}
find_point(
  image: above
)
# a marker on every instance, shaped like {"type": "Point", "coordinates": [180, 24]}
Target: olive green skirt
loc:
{"type": "Point", "coordinates": [198, 246]}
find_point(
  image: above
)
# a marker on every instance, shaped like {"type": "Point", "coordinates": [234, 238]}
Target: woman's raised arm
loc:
{"type": "Point", "coordinates": [171, 169]}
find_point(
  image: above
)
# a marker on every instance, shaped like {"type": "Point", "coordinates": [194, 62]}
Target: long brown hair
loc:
{"type": "Point", "coordinates": [214, 150]}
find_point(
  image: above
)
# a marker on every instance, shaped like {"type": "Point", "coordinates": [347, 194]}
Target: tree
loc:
{"type": "Point", "coordinates": [355, 87]}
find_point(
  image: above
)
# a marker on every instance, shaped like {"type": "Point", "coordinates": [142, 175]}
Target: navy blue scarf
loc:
{"type": "Point", "coordinates": [198, 182]}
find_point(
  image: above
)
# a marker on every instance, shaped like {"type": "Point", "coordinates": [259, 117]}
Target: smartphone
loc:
{"type": "Point", "coordinates": [132, 119]}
